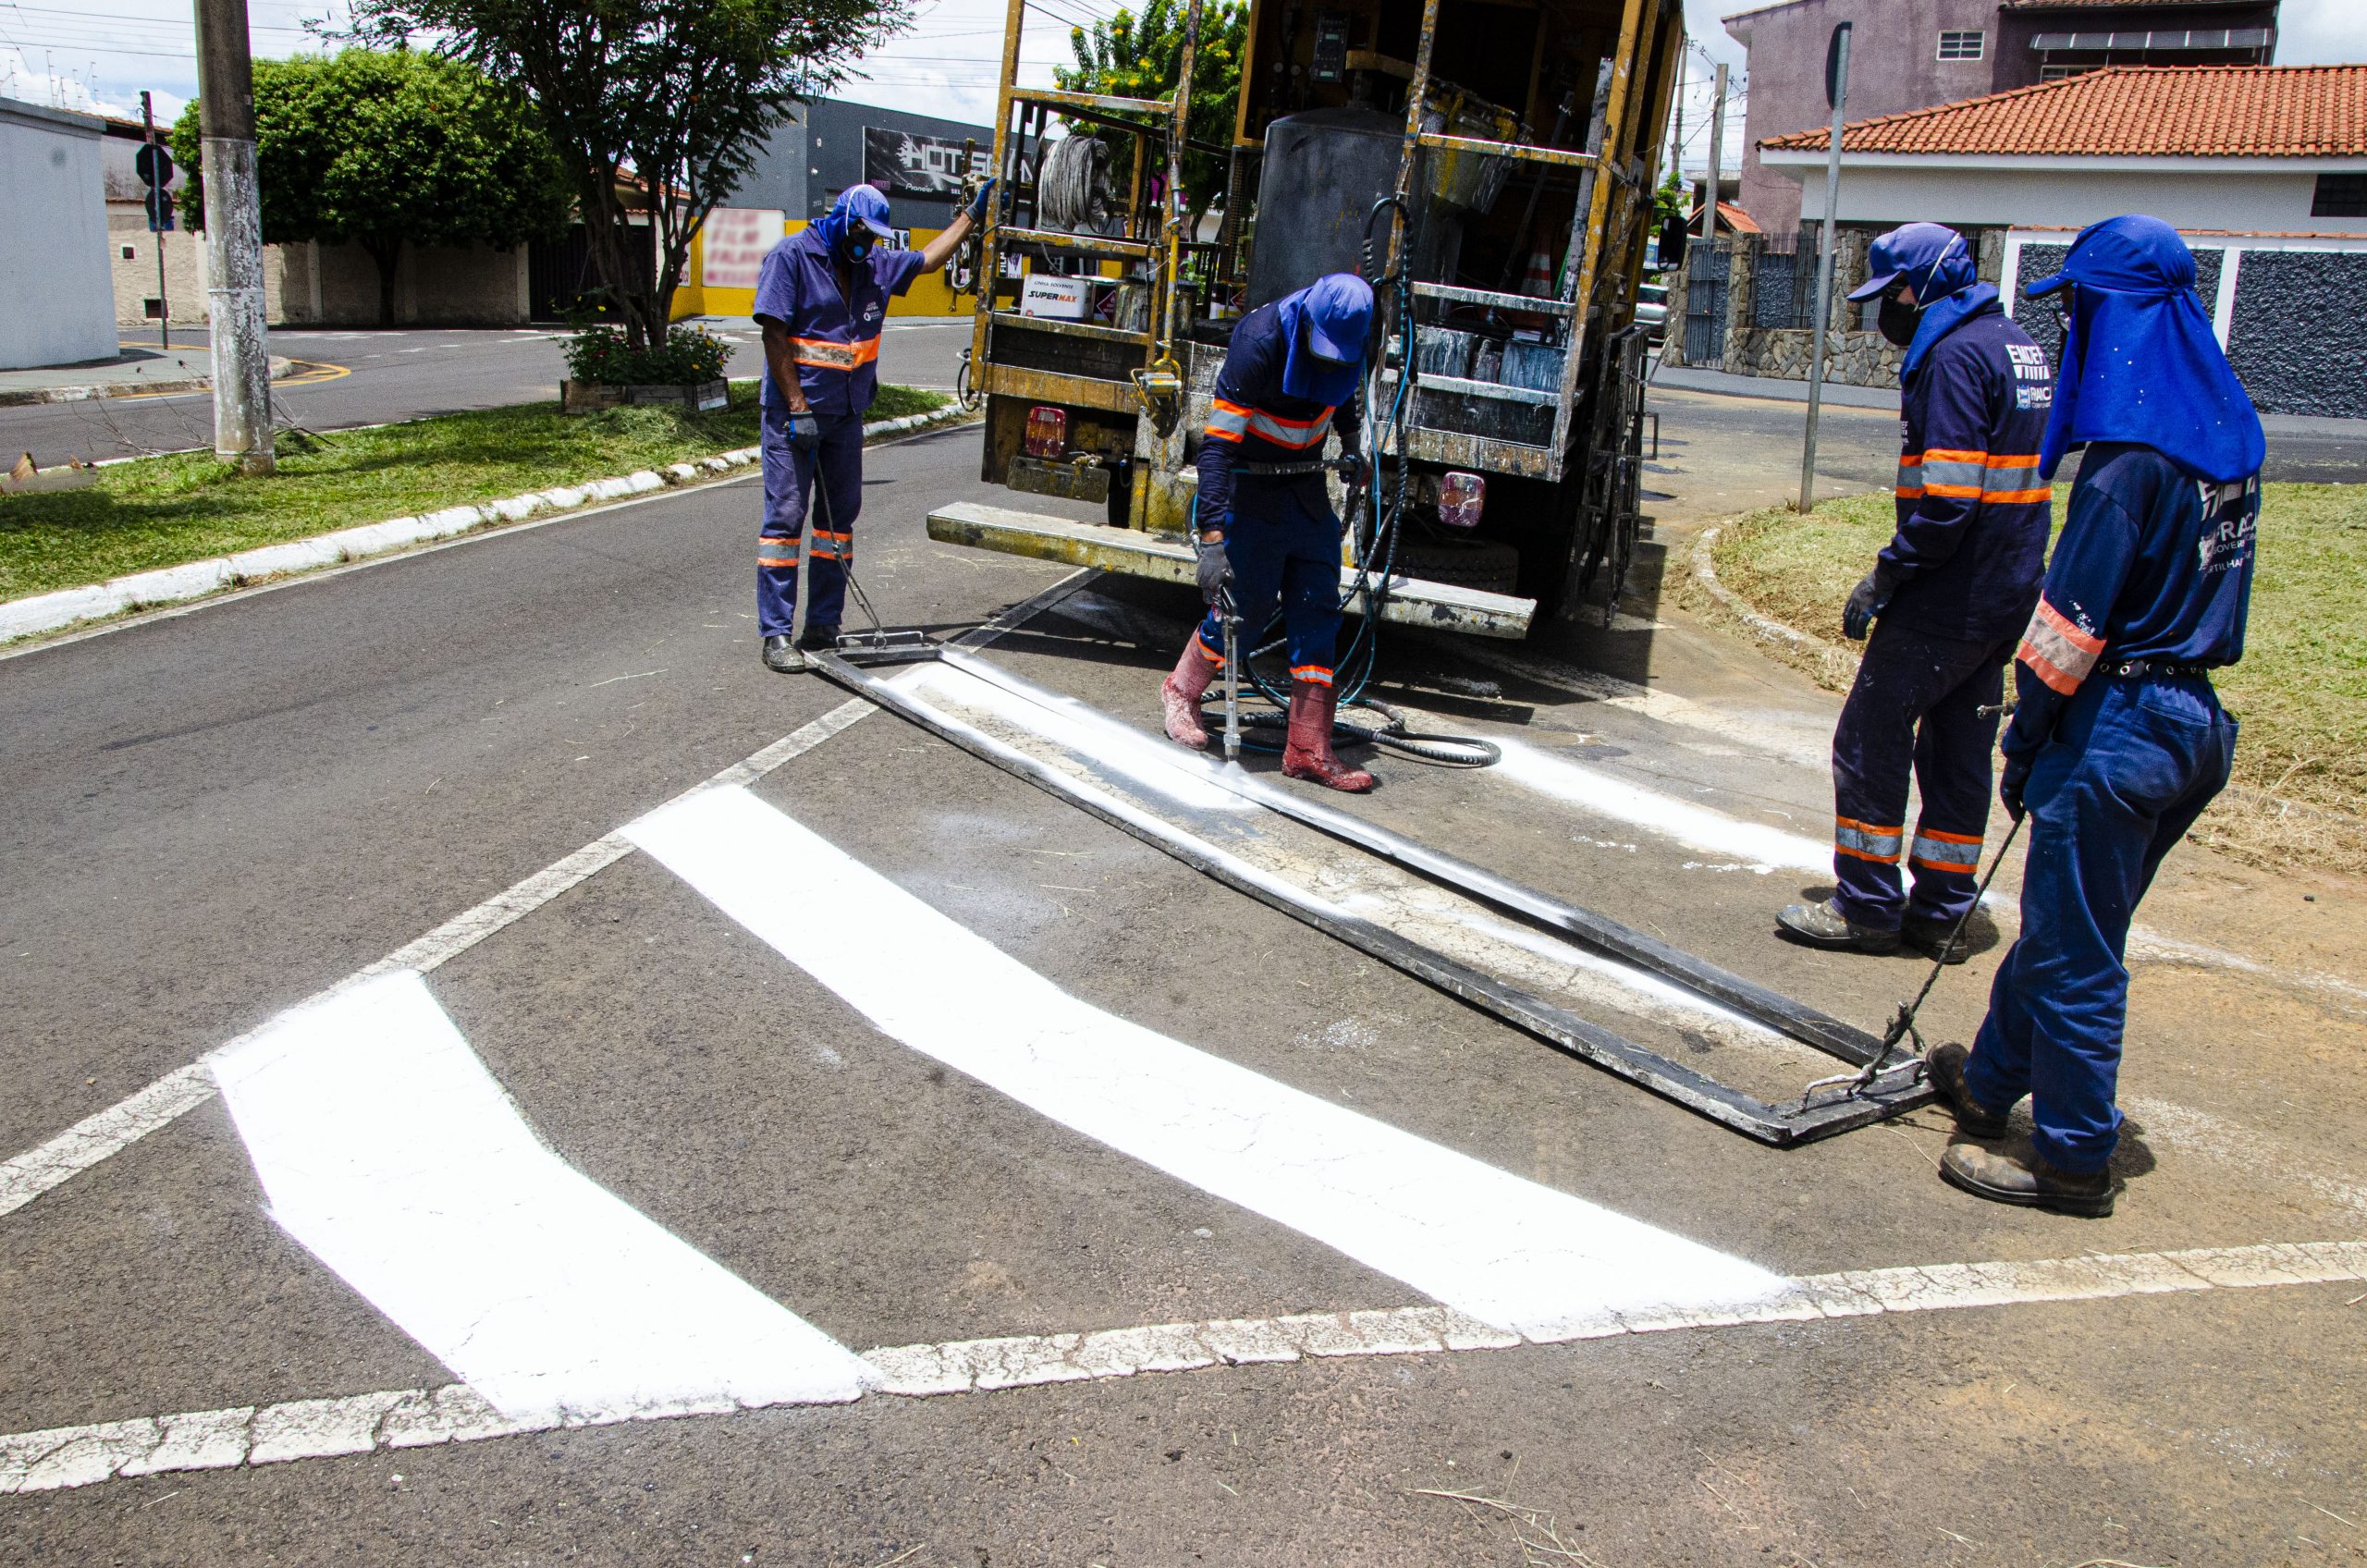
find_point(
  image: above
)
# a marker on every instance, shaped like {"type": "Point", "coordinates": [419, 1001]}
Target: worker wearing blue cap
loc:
{"type": "Point", "coordinates": [1945, 600]}
{"type": "Point", "coordinates": [2118, 740]}
{"type": "Point", "coordinates": [821, 296]}
{"type": "Point", "coordinates": [1290, 377]}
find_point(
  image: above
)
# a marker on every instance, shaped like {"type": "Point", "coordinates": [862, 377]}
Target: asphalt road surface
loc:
{"type": "Point", "coordinates": [368, 377]}
{"type": "Point", "coordinates": [1168, 1229]}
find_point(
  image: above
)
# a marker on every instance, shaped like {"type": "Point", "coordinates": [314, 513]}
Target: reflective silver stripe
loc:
{"type": "Point", "coordinates": [1266, 427]}
{"type": "Point", "coordinates": [2049, 638]}
{"type": "Point", "coordinates": [1881, 846]}
{"type": "Point", "coordinates": [1910, 474]}
{"type": "Point", "coordinates": [1970, 475]}
{"type": "Point", "coordinates": [1941, 855]}
{"type": "Point", "coordinates": [1225, 422]}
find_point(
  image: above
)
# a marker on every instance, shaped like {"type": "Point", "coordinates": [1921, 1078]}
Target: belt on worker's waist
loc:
{"type": "Point", "coordinates": [2143, 670]}
{"type": "Point", "coordinates": [1279, 471]}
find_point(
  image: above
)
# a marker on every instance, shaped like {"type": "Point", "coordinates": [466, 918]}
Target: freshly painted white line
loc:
{"type": "Point", "coordinates": [390, 1153]}
{"type": "Point", "coordinates": [1603, 794]}
{"type": "Point", "coordinates": [1506, 1251]}
{"type": "Point", "coordinates": [1157, 765]}
{"type": "Point", "coordinates": [26, 1176]}
{"type": "Point", "coordinates": [403, 1418]}
{"type": "Point", "coordinates": [1804, 739]}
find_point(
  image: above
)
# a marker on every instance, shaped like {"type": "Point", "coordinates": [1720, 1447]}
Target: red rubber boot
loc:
{"type": "Point", "coordinates": [1180, 694]}
{"type": "Point", "coordinates": [1307, 753]}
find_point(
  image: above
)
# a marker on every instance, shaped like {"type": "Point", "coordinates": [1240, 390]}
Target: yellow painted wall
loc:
{"type": "Point", "coordinates": [927, 297]}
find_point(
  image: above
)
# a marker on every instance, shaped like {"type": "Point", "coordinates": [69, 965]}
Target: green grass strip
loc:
{"type": "Point", "coordinates": [163, 512]}
{"type": "Point", "coordinates": [2300, 691]}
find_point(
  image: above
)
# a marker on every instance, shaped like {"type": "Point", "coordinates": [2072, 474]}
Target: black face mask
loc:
{"type": "Point", "coordinates": [1899, 319]}
{"type": "Point", "coordinates": [855, 248]}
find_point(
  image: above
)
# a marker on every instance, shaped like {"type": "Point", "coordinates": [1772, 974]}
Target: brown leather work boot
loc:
{"type": "Point", "coordinates": [2027, 1181]}
{"type": "Point", "coordinates": [1307, 753]}
{"type": "Point", "coordinates": [1945, 1068]}
{"type": "Point", "coordinates": [1180, 693]}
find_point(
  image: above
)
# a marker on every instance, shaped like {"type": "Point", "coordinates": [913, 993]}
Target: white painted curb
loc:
{"type": "Point", "coordinates": [51, 612]}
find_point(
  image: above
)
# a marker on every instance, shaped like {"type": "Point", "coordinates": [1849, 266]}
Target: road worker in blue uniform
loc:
{"type": "Point", "coordinates": [821, 296]}
{"type": "Point", "coordinates": [2118, 741]}
{"type": "Point", "coordinates": [1290, 377]}
{"type": "Point", "coordinates": [1947, 599]}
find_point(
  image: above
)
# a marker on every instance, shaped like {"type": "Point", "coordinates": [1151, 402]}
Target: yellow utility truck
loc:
{"type": "Point", "coordinates": [1490, 165]}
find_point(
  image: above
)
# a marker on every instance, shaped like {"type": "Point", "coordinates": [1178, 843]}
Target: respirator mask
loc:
{"type": "Point", "coordinates": [1897, 319]}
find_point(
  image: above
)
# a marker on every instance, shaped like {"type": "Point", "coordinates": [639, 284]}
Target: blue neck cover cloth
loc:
{"type": "Point", "coordinates": [2141, 363]}
{"type": "Point", "coordinates": [1941, 317]}
{"type": "Point", "coordinates": [1334, 311]}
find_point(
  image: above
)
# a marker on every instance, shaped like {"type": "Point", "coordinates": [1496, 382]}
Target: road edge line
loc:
{"type": "Point", "coordinates": [64, 1458]}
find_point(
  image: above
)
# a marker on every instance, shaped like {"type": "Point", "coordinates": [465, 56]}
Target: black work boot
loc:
{"type": "Point", "coordinates": [1945, 1068]}
{"type": "Point", "coordinates": [822, 638]}
{"type": "Point", "coordinates": [1822, 925]}
{"type": "Point", "coordinates": [1930, 937]}
{"type": "Point", "coordinates": [2026, 1181]}
{"type": "Point", "coordinates": [782, 655]}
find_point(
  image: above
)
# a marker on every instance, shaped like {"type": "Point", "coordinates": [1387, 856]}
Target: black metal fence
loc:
{"type": "Point", "coordinates": [1784, 286]}
{"type": "Point", "coordinates": [1707, 270]}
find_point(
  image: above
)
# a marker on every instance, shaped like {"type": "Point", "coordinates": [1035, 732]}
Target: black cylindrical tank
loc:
{"type": "Point", "coordinates": [1323, 171]}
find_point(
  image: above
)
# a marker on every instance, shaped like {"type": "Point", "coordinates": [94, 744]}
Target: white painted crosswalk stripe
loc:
{"type": "Point", "coordinates": [1508, 1252]}
{"type": "Point", "coordinates": [390, 1153]}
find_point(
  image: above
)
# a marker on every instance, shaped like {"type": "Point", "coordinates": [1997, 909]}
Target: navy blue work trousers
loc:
{"type": "Point", "coordinates": [788, 491]}
{"type": "Point", "coordinates": [1283, 544]}
{"type": "Point", "coordinates": [1916, 707]}
{"type": "Point", "coordinates": [2131, 765]}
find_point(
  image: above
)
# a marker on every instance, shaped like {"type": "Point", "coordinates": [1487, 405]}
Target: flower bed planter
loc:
{"type": "Point", "coordinates": [585, 397]}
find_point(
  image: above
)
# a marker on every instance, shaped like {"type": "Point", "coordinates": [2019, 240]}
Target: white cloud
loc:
{"type": "Point", "coordinates": [2322, 32]}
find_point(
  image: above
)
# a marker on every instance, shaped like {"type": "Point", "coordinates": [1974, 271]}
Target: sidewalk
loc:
{"type": "Point", "coordinates": [140, 371]}
{"type": "Point", "coordinates": [1696, 378]}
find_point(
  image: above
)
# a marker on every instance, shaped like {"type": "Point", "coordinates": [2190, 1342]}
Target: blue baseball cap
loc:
{"type": "Point", "coordinates": [864, 205]}
{"type": "Point", "coordinates": [1915, 247]}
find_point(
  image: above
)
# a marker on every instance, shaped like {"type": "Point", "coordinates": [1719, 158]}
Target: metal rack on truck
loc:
{"type": "Point", "coordinates": [1395, 137]}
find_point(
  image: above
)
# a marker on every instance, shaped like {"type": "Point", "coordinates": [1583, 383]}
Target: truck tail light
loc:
{"type": "Point", "coordinates": [1461, 498]}
{"type": "Point", "coordinates": [1048, 431]}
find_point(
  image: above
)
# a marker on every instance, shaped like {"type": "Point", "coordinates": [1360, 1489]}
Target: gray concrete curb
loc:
{"type": "Point", "coordinates": [29, 395]}
{"type": "Point", "coordinates": [41, 613]}
{"type": "Point", "coordinates": [1766, 628]}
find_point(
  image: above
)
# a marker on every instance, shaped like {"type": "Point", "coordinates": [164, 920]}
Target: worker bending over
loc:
{"type": "Point", "coordinates": [1947, 597]}
{"type": "Point", "coordinates": [2118, 740]}
{"type": "Point", "coordinates": [1265, 520]}
{"type": "Point", "coordinates": [821, 296]}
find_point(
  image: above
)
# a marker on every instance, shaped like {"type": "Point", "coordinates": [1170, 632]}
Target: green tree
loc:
{"type": "Point", "coordinates": [657, 107]}
{"type": "Point", "coordinates": [1131, 56]}
{"type": "Point", "coordinates": [380, 149]}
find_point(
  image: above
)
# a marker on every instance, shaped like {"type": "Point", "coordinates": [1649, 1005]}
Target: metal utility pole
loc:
{"type": "Point", "coordinates": [160, 214]}
{"type": "Point", "coordinates": [226, 97]}
{"type": "Point", "coordinates": [1836, 89]}
{"type": "Point", "coordinates": [1717, 155]}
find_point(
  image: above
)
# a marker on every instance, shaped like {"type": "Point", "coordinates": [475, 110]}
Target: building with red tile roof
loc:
{"type": "Point", "coordinates": [2240, 149]}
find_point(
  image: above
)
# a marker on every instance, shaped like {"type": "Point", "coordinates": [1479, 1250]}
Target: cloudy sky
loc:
{"type": "Point", "coordinates": [103, 53]}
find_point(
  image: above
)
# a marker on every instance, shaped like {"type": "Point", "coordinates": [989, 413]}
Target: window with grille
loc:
{"type": "Point", "coordinates": [2341, 196]}
{"type": "Point", "coordinates": [1966, 44]}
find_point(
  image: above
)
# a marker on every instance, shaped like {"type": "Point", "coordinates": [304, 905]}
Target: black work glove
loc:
{"type": "Point", "coordinates": [804, 431]}
{"type": "Point", "coordinates": [1214, 570]}
{"type": "Point", "coordinates": [1869, 599]}
{"type": "Point", "coordinates": [2011, 781]}
{"type": "Point", "coordinates": [1351, 467]}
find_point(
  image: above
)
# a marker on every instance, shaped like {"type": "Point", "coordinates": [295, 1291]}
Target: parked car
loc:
{"type": "Point", "coordinates": [1652, 309]}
